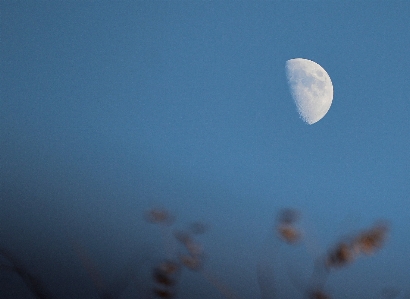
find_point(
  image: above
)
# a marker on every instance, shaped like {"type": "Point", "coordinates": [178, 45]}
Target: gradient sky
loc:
{"type": "Point", "coordinates": [108, 109]}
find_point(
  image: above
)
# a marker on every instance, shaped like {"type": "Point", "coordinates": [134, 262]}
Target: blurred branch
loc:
{"type": "Point", "coordinates": [33, 284]}
{"type": "Point", "coordinates": [103, 292]}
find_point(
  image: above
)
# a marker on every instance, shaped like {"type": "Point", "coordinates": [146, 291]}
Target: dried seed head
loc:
{"type": "Point", "coordinates": [159, 216]}
{"type": "Point", "coordinates": [160, 293]}
{"type": "Point", "coordinates": [191, 262]}
{"type": "Point", "coordinates": [169, 267]}
{"type": "Point", "coordinates": [319, 294]}
{"type": "Point", "coordinates": [340, 256]}
{"type": "Point", "coordinates": [182, 237]}
{"type": "Point", "coordinates": [369, 241]}
{"type": "Point", "coordinates": [289, 234]}
{"type": "Point", "coordinates": [163, 279]}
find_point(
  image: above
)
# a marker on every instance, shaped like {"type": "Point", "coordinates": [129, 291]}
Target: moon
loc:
{"type": "Point", "coordinates": [311, 88]}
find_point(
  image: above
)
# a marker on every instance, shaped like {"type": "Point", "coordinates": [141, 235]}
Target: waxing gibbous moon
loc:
{"type": "Point", "coordinates": [311, 88]}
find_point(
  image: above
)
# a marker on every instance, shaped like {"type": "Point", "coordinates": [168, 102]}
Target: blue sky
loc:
{"type": "Point", "coordinates": [108, 109]}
